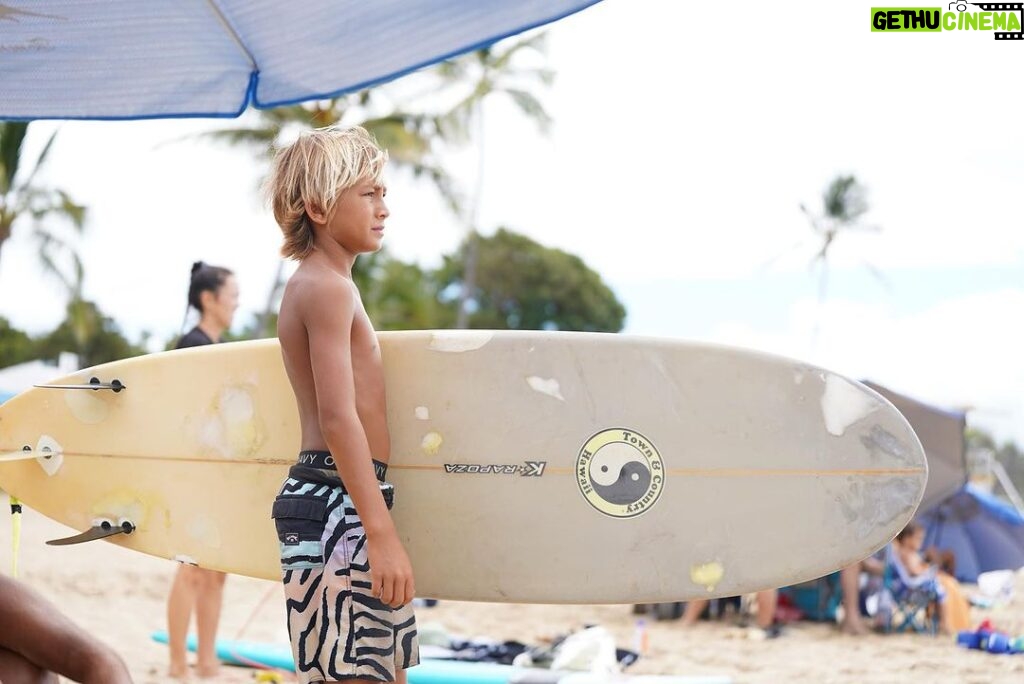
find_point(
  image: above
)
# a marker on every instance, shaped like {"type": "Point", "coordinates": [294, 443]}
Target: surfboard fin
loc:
{"type": "Point", "coordinates": [99, 531]}
{"type": "Point", "coordinates": [93, 384]}
{"type": "Point", "coordinates": [25, 454]}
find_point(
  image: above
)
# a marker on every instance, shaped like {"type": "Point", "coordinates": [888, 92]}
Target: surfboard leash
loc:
{"type": "Point", "coordinates": [15, 534]}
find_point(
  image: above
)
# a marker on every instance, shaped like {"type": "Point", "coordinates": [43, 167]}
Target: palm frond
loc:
{"type": "Point", "coordinates": [50, 245]}
{"type": "Point", "coordinates": [72, 210]}
{"type": "Point", "coordinates": [40, 161]}
{"type": "Point", "coordinates": [442, 181]}
{"type": "Point", "coordinates": [537, 42]}
{"type": "Point", "coordinates": [40, 203]}
{"type": "Point", "coordinates": [544, 75]}
{"type": "Point", "coordinates": [531, 107]}
{"type": "Point", "coordinates": [456, 123]}
{"type": "Point", "coordinates": [12, 134]}
{"type": "Point", "coordinates": [404, 142]}
{"type": "Point", "coordinates": [453, 69]}
{"type": "Point", "coordinates": [251, 137]}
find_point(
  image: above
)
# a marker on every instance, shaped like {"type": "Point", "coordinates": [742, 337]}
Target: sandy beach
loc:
{"type": "Point", "coordinates": [119, 595]}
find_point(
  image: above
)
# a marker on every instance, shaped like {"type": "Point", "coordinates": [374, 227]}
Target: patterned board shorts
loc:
{"type": "Point", "coordinates": [337, 628]}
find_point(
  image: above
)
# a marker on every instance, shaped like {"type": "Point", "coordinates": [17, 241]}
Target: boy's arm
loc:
{"type": "Point", "coordinates": [37, 631]}
{"type": "Point", "coordinates": [328, 314]}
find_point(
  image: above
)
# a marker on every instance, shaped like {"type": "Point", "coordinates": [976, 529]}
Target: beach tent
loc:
{"type": "Point", "coordinates": [941, 432]}
{"type": "Point", "coordinates": [983, 531]}
{"type": "Point", "coordinates": [125, 59]}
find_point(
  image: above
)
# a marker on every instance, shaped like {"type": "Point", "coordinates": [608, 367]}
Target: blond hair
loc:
{"type": "Point", "coordinates": [312, 172]}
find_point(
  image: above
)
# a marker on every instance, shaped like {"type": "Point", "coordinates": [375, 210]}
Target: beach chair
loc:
{"type": "Point", "coordinates": [908, 602]}
{"type": "Point", "coordinates": [817, 599]}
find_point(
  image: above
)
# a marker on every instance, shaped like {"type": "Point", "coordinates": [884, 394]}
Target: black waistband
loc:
{"type": "Point", "coordinates": [332, 479]}
{"type": "Point", "coordinates": [324, 461]}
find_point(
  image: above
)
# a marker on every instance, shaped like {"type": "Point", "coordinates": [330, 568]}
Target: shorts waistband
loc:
{"type": "Point", "coordinates": [324, 461]}
{"type": "Point", "coordinates": [331, 478]}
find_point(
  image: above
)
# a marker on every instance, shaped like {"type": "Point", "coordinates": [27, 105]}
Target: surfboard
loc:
{"type": "Point", "coordinates": [546, 467]}
{"type": "Point", "coordinates": [434, 671]}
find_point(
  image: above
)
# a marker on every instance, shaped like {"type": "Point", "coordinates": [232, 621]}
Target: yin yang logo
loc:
{"type": "Point", "coordinates": [620, 472]}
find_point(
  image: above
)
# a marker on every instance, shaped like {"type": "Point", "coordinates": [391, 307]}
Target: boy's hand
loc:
{"type": "Point", "coordinates": [390, 570]}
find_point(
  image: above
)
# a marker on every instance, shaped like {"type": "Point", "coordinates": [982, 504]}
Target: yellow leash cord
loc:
{"type": "Point", "coordinates": [15, 534]}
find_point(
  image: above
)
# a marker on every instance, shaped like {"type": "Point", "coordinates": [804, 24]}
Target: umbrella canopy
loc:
{"type": "Point", "coordinates": [984, 532]}
{"type": "Point", "coordinates": [942, 435]}
{"type": "Point", "coordinates": [125, 59]}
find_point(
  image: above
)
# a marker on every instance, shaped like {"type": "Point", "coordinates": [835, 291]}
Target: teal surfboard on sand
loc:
{"type": "Point", "coordinates": [430, 671]}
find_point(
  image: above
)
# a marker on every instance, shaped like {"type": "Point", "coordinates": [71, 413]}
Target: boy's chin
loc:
{"type": "Point", "coordinates": [366, 249]}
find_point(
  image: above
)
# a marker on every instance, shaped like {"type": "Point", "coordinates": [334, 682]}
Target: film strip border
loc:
{"type": "Point", "coordinates": [1004, 7]}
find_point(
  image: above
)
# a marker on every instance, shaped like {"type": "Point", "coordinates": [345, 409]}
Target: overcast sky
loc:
{"type": "Point", "coordinates": [685, 139]}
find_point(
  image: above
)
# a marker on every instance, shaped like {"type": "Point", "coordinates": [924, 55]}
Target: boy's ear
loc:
{"type": "Point", "coordinates": [316, 214]}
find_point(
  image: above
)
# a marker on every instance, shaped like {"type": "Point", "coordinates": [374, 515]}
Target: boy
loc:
{"type": "Point", "coordinates": [348, 581]}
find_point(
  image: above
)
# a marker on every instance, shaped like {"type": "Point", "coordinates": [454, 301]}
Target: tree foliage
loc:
{"type": "Point", "coordinates": [85, 330]}
{"type": "Point", "coordinates": [23, 200]}
{"type": "Point", "coordinates": [94, 336]}
{"type": "Point", "coordinates": [1008, 454]}
{"type": "Point", "coordinates": [523, 285]}
{"type": "Point", "coordinates": [15, 345]}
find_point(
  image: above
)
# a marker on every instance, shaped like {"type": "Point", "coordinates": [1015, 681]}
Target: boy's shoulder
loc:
{"type": "Point", "coordinates": [319, 284]}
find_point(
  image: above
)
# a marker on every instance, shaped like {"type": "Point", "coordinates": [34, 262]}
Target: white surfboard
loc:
{"type": "Point", "coordinates": [529, 466]}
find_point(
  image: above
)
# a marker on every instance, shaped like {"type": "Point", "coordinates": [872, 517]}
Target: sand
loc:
{"type": "Point", "coordinates": [119, 595]}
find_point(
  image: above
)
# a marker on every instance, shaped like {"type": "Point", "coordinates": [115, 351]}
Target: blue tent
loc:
{"type": "Point", "coordinates": [983, 531]}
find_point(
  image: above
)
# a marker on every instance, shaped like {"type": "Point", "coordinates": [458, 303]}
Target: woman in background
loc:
{"type": "Point", "coordinates": [212, 292]}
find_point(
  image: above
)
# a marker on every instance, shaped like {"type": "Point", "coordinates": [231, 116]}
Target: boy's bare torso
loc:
{"type": "Point", "coordinates": [309, 292]}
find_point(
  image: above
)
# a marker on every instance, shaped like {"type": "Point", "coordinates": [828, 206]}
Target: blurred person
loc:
{"type": "Point", "coordinates": [766, 602]}
{"type": "Point", "coordinates": [213, 292]}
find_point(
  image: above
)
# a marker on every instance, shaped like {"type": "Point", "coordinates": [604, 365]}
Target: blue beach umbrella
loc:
{"type": "Point", "coordinates": [132, 59]}
{"type": "Point", "coordinates": [984, 532]}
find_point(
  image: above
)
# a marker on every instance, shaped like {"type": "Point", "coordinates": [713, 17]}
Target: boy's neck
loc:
{"type": "Point", "coordinates": [336, 257]}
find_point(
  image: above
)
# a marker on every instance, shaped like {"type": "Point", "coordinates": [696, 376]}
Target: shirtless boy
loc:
{"type": "Point", "coordinates": [348, 581]}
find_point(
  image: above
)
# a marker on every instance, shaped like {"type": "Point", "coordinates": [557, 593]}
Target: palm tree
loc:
{"type": "Point", "coordinates": [409, 138]}
{"type": "Point", "coordinates": [83, 320]}
{"type": "Point", "coordinates": [844, 202]}
{"type": "Point", "coordinates": [491, 71]}
{"type": "Point", "coordinates": [22, 200]}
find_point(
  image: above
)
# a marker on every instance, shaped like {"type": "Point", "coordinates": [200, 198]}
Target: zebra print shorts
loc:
{"type": "Point", "coordinates": [337, 628]}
